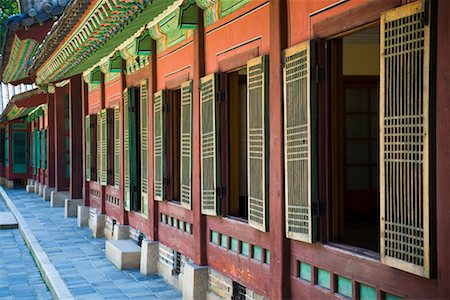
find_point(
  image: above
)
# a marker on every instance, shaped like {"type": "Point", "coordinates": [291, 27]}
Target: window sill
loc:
{"type": "Point", "coordinates": [238, 219]}
{"type": "Point", "coordinates": [363, 253]}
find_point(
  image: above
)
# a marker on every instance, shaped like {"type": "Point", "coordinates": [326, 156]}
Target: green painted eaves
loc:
{"type": "Point", "coordinates": [147, 15]}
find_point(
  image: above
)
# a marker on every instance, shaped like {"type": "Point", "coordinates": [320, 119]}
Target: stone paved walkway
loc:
{"type": "Point", "coordinates": [19, 275]}
{"type": "Point", "coordinates": [80, 259]}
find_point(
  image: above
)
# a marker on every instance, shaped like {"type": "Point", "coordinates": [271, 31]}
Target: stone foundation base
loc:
{"type": "Point", "coordinates": [71, 207]}
{"type": "Point", "coordinates": [97, 224]}
{"type": "Point", "coordinates": [121, 232]}
{"type": "Point", "coordinates": [149, 257]}
{"type": "Point", "coordinates": [58, 199]}
{"type": "Point", "coordinates": [41, 190]}
{"type": "Point", "coordinates": [9, 184]}
{"type": "Point", "coordinates": [30, 188]}
{"type": "Point", "coordinates": [46, 193]}
{"type": "Point", "coordinates": [82, 216]}
{"type": "Point", "coordinates": [195, 281]}
{"type": "Point", "coordinates": [124, 254]}
{"type": "Point", "coordinates": [37, 186]}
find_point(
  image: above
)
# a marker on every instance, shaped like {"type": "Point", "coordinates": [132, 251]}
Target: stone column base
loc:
{"type": "Point", "coordinates": [47, 193]}
{"type": "Point", "coordinates": [195, 281]}
{"type": "Point", "coordinates": [121, 232]}
{"type": "Point", "coordinates": [71, 207]}
{"type": "Point", "coordinates": [58, 199]}
{"type": "Point", "coordinates": [37, 185]}
{"type": "Point", "coordinates": [97, 225]}
{"type": "Point", "coordinates": [82, 216]}
{"type": "Point", "coordinates": [149, 257]}
{"type": "Point", "coordinates": [30, 181]}
{"type": "Point", "coordinates": [9, 184]}
{"type": "Point", "coordinates": [29, 188]}
{"type": "Point", "coordinates": [41, 190]}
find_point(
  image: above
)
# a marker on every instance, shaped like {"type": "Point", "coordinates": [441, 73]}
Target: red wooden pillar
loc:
{"type": "Point", "coordinates": [85, 111]}
{"type": "Point", "coordinates": [152, 205]}
{"type": "Point", "coordinates": [59, 141]}
{"type": "Point", "coordinates": [51, 141]}
{"type": "Point", "coordinates": [279, 261]}
{"type": "Point", "coordinates": [199, 230]}
{"type": "Point", "coordinates": [75, 135]}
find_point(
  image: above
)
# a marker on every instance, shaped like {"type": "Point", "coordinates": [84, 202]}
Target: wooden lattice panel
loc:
{"type": "Point", "coordinates": [99, 147]}
{"type": "Point", "coordinates": [126, 151]}
{"type": "Point", "coordinates": [186, 143]}
{"type": "Point", "coordinates": [297, 141]}
{"type": "Point", "coordinates": [104, 147]}
{"type": "Point", "coordinates": [208, 144]}
{"type": "Point", "coordinates": [158, 144]}
{"type": "Point", "coordinates": [257, 77]}
{"type": "Point", "coordinates": [404, 148]}
{"type": "Point", "coordinates": [88, 147]}
{"type": "Point", "coordinates": [116, 147]}
{"type": "Point", "coordinates": [144, 147]}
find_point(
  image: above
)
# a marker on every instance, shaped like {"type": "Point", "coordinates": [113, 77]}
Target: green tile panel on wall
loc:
{"type": "Point", "coordinates": [323, 278]}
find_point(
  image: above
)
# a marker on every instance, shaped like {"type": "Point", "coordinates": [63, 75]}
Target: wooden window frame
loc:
{"type": "Point", "coordinates": [169, 145]}
{"type": "Point", "coordinates": [224, 111]}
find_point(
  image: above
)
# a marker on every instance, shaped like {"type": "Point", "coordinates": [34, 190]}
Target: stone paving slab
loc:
{"type": "Point", "coordinates": [19, 275]}
{"type": "Point", "coordinates": [79, 258]}
{"type": "Point", "coordinates": [7, 220]}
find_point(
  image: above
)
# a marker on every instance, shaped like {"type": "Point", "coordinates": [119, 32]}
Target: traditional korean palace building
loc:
{"type": "Point", "coordinates": [242, 149]}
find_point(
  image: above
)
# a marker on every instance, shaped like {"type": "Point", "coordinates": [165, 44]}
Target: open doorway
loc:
{"type": "Point", "coordinates": [355, 86]}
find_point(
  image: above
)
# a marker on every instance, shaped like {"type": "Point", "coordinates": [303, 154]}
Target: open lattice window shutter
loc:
{"type": "Point", "coordinates": [186, 144]}
{"type": "Point", "coordinates": [116, 147]}
{"type": "Point", "coordinates": [144, 147]}
{"type": "Point", "coordinates": [44, 149]}
{"type": "Point", "coordinates": [104, 147]}
{"type": "Point", "coordinates": [404, 140]}
{"type": "Point", "coordinates": [33, 150]}
{"type": "Point", "coordinates": [209, 145]}
{"type": "Point", "coordinates": [99, 147]}
{"type": "Point", "coordinates": [88, 163]}
{"type": "Point", "coordinates": [158, 144]}
{"type": "Point", "coordinates": [299, 156]}
{"type": "Point", "coordinates": [126, 162]}
{"type": "Point", "coordinates": [38, 149]}
{"type": "Point", "coordinates": [93, 144]}
{"type": "Point", "coordinates": [257, 146]}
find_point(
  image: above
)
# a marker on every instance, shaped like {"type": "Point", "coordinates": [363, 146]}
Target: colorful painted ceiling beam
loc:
{"type": "Point", "coordinates": [21, 105]}
{"type": "Point", "coordinates": [91, 39]}
{"type": "Point", "coordinates": [18, 50]}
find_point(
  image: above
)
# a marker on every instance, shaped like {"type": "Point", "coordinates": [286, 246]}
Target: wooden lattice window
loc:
{"type": "Point", "coordinates": [117, 147]}
{"type": "Point", "coordinates": [158, 144]}
{"type": "Point", "coordinates": [99, 147]}
{"type": "Point", "coordinates": [257, 146]}
{"type": "Point", "coordinates": [404, 140]}
{"type": "Point", "coordinates": [144, 147]}
{"type": "Point", "coordinates": [209, 148]}
{"type": "Point", "coordinates": [298, 144]}
{"type": "Point", "coordinates": [186, 144]}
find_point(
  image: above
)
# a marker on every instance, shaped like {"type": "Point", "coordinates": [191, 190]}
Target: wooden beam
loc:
{"type": "Point", "coordinates": [353, 18]}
